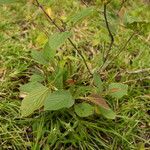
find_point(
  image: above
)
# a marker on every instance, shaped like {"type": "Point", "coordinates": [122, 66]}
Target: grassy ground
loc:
{"type": "Point", "coordinates": [21, 31]}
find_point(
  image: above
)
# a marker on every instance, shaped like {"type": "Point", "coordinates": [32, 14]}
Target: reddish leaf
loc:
{"type": "Point", "coordinates": [114, 90]}
{"type": "Point", "coordinates": [98, 100]}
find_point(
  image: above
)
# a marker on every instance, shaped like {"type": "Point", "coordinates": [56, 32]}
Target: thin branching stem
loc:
{"type": "Point", "coordinates": [62, 30]}
{"type": "Point", "coordinates": [107, 62]}
{"type": "Point", "coordinates": [119, 52]}
{"type": "Point", "coordinates": [109, 31]}
{"type": "Point", "coordinates": [50, 19]}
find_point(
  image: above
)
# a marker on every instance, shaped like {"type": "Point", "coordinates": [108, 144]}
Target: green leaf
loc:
{"type": "Point", "coordinates": [39, 57]}
{"type": "Point", "coordinates": [37, 78]}
{"type": "Point", "coordinates": [79, 16]}
{"type": "Point", "coordinates": [81, 90]}
{"type": "Point", "coordinates": [49, 53]}
{"type": "Point", "coordinates": [84, 109]}
{"type": "Point", "coordinates": [118, 90]}
{"type": "Point", "coordinates": [29, 86]}
{"type": "Point", "coordinates": [58, 100]}
{"type": "Point", "coordinates": [34, 100]}
{"type": "Point", "coordinates": [57, 39]}
{"type": "Point", "coordinates": [108, 113]}
{"type": "Point", "coordinates": [8, 1]}
{"type": "Point", "coordinates": [54, 42]}
{"type": "Point", "coordinates": [98, 82]}
{"type": "Point", "coordinates": [58, 81]}
{"type": "Point", "coordinates": [41, 39]}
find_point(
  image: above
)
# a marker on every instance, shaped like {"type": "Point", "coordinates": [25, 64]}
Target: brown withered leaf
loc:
{"type": "Point", "coordinates": [98, 100]}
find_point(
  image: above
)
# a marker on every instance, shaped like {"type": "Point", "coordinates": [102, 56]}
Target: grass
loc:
{"type": "Point", "coordinates": [63, 129]}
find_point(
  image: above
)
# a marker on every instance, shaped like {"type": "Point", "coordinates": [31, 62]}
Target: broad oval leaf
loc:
{"type": "Point", "coordinates": [58, 100]}
{"type": "Point", "coordinates": [29, 87]}
{"type": "Point", "coordinates": [58, 81]}
{"type": "Point", "coordinates": [54, 42]}
{"type": "Point", "coordinates": [79, 16]}
{"type": "Point", "coordinates": [118, 90]}
{"type": "Point", "coordinates": [34, 100]}
{"type": "Point", "coordinates": [84, 109]}
{"type": "Point", "coordinates": [48, 52]}
{"type": "Point", "coordinates": [37, 78]}
{"type": "Point", "coordinates": [39, 57]}
{"type": "Point", "coordinates": [57, 39]}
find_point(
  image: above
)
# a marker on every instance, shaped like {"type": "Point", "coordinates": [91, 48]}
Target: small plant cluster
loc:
{"type": "Point", "coordinates": [54, 87]}
{"type": "Point", "coordinates": [56, 94]}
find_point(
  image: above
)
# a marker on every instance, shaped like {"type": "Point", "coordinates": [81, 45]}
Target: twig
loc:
{"type": "Point", "coordinates": [138, 71]}
{"type": "Point", "coordinates": [126, 43]}
{"type": "Point", "coordinates": [62, 30]}
{"type": "Point", "coordinates": [109, 31]}
{"type": "Point", "coordinates": [52, 21]}
{"type": "Point", "coordinates": [136, 80]}
{"type": "Point", "coordinates": [119, 52]}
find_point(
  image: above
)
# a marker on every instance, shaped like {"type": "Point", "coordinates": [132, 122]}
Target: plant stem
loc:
{"type": "Point", "coordinates": [62, 30]}
{"type": "Point", "coordinates": [109, 31]}
{"type": "Point", "coordinates": [104, 66]}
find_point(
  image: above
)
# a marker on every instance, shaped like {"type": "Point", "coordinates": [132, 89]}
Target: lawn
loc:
{"type": "Point", "coordinates": [105, 65]}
